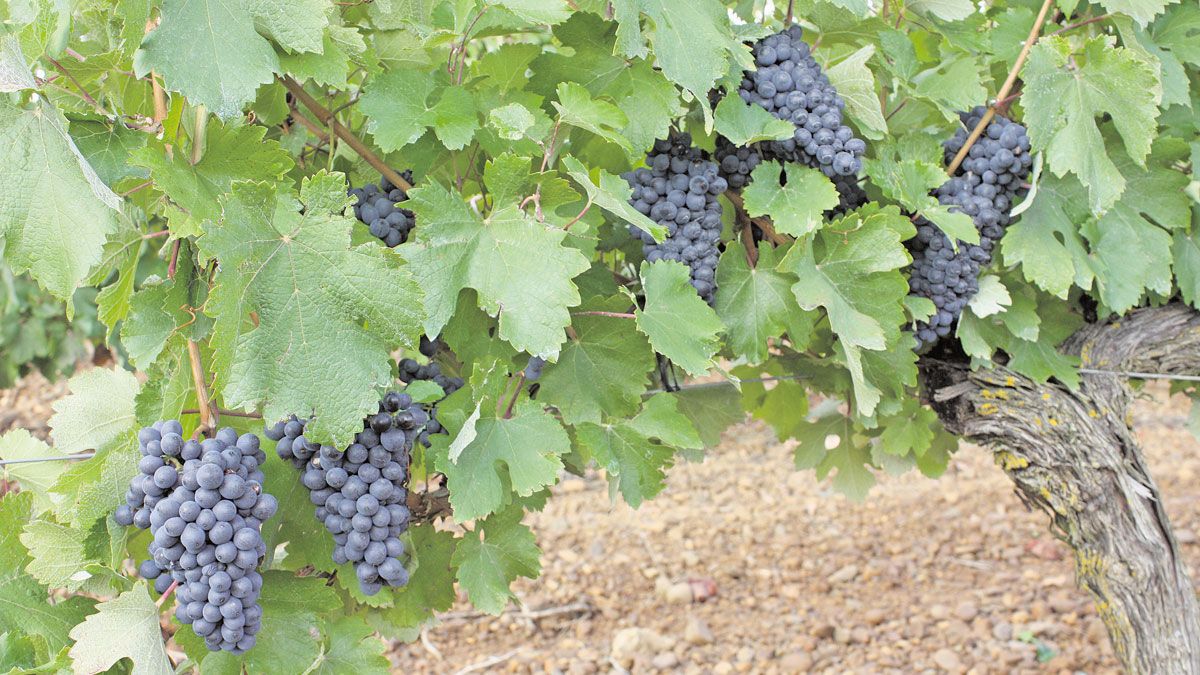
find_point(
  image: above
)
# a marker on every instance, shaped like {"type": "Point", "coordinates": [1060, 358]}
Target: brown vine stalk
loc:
{"type": "Point", "coordinates": [1004, 89]}
{"type": "Point", "coordinates": [325, 117]}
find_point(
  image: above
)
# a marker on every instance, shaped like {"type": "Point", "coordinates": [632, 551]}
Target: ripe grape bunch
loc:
{"type": "Point", "coordinates": [984, 187]}
{"type": "Point", "coordinates": [360, 492]}
{"type": "Point", "coordinates": [678, 190]}
{"type": "Point", "coordinates": [203, 502]}
{"type": "Point", "coordinates": [377, 209]}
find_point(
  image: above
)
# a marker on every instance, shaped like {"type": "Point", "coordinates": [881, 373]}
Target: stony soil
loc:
{"type": "Point", "coordinates": [743, 565]}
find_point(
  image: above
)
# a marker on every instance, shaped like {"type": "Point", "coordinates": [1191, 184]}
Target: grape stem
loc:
{"type": "Point", "coordinates": [166, 594]}
{"type": "Point", "coordinates": [310, 125]}
{"type": "Point", "coordinates": [326, 117]}
{"type": "Point", "coordinates": [207, 422]}
{"type": "Point", "coordinates": [1080, 24]}
{"type": "Point", "coordinates": [788, 18]}
{"type": "Point", "coordinates": [173, 265]}
{"type": "Point", "coordinates": [581, 214]}
{"type": "Point", "coordinates": [1004, 89]}
{"type": "Point", "coordinates": [515, 395]}
{"type": "Point", "coordinates": [611, 315]}
{"type": "Point", "coordinates": [223, 411]}
{"type": "Point", "coordinates": [83, 92]}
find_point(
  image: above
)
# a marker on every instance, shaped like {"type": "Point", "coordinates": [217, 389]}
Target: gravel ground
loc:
{"type": "Point", "coordinates": [743, 565]}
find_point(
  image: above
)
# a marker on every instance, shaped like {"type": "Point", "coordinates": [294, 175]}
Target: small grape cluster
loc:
{"type": "Point", "coordinates": [377, 209]}
{"type": "Point", "coordinates": [984, 187]}
{"type": "Point", "coordinates": [678, 189]}
{"type": "Point", "coordinates": [204, 504]}
{"type": "Point", "coordinates": [790, 85]}
{"type": "Point", "coordinates": [411, 371]}
{"type": "Point", "coordinates": [360, 491]}
{"type": "Point", "coordinates": [736, 163]}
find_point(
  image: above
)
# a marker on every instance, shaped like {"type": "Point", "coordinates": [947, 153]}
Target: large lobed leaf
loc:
{"type": "Point", "coordinates": [327, 314]}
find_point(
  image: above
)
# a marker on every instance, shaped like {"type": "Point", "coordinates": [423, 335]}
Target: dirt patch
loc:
{"type": "Point", "coordinates": [953, 575]}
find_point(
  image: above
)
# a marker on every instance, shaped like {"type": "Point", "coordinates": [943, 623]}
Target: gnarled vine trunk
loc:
{"type": "Point", "coordinates": [1073, 454]}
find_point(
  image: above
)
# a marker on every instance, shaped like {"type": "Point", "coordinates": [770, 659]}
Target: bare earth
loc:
{"type": "Point", "coordinates": [952, 575]}
{"type": "Point", "coordinates": [744, 565]}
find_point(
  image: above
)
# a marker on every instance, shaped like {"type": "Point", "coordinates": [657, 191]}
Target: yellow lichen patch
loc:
{"type": "Point", "coordinates": [1010, 462]}
{"type": "Point", "coordinates": [997, 394]}
{"type": "Point", "coordinates": [1037, 421]}
{"type": "Point", "coordinates": [1046, 396]}
{"type": "Point", "coordinates": [1053, 422]}
{"type": "Point", "coordinates": [988, 409]}
{"type": "Point", "coordinates": [1093, 414]}
{"type": "Point", "coordinates": [1010, 381]}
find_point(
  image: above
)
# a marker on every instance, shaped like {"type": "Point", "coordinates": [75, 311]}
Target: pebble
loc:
{"type": "Point", "coordinates": [947, 660]}
{"type": "Point", "coordinates": [966, 610]}
{"type": "Point", "coordinates": [665, 661]}
{"type": "Point", "coordinates": [680, 593]}
{"type": "Point", "coordinates": [844, 574]}
{"type": "Point", "coordinates": [874, 617]}
{"type": "Point", "coordinates": [697, 632]}
{"type": "Point", "coordinates": [1002, 631]}
{"type": "Point", "coordinates": [796, 662]}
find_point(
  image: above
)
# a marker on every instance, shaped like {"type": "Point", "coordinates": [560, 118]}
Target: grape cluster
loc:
{"type": "Point", "coordinates": [736, 163]}
{"type": "Point", "coordinates": [360, 491]}
{"type": "Point", "coordinates": [984, 187]}
{"type": "Point", "coordinates": [377, 209]}
{"type": "Point", "coordinates": [678, 189]}
{"type": "Point", "coordinates": [789, 84]}
{"type": "Point", "coordinates": [204, 504]}
{"type": "Point", "coordinates": [411, 371]}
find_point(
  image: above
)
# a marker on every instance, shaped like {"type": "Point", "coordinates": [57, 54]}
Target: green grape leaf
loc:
{"type": "Point", "coordinates": [954, 85]}
{"type": "Point", "coordinates": [602, 370]}
{"type": "Point", "coordinates": [856, 85]}
{"type": "Point", "coordinates": [992, 297]}
{"type": "Point", "coordinates": [519, 267]}
{"type": "Point", "coordinates": [511, 121]}
{"type": "Point", "coordinates": [955, 224]}
{"type": "Point", "coordinates": [693, 41]}
{"type": "Point", "coordinates": [293, 608]}
{"type": "Point", "coordinates": [855, 276]}
{"type": "Point", "coordinates": [454, 118]}
{"type": "Point", "coordinates": [1132, 256]}
{"type": "Point", "coordinates": [232, 153]}
{"type": "Point", "coordinates": [680, 325]}
{"type": "Point", "coordinates": [331, 65]}
{"type": "Point", "coordinates": [1142, 11]}
{"type": "Point", "coordinates": [522, 454]}
{"type": "Point", "coordinates": [125, 627]}
{"type": "Point", "coordinates": [25, 609]}
{"type": "Point", "coordinates": [906, 179]}
{"type": "Point", "coordinates": [796, 209]}
{"type": "Point", "coordinates": [577, 108]}
{"type": "Point", "coordinates": [155, 317]}
{"type": "Point", "coordinates": [352, 648]}
{"type": "Point", "coordinates": [309, 353]}
{"type": "Point", "coordinates": [431, 587]}
{"type": "Point", "coordinates": [1045, 240]}
{"type": "Point", "coordinates": [107, 148]}
{"type": "Point", "coordinates": [121, 252]}
{"type": "Point", "coordinates": [1185, 250]}
{"type": "Point", "coordinates": [649, 101]}
{"type": "Point", "coordinates": [612, 195]}
{"type": "Point", "coordinates": [208, 50]}
{"type": "Point", "coordinates": [743, 123]}
{"type": "Point", "coordinates": [296, 25]}
{"type": "Point", "coordinates": [911, 432]}
{"type": "Point", "coordinates": [756, 303]}
{"type": "Point", "coordinates": [99, 410]}
{"type": "Point", "coordinates": [59, 559]}
{"type": "Point", "coordinates": [711, 409]}
{"type": "Point", "coordinates": [34, 477]}
{"type": "Point", "coordinates": [630, 452]}
{"type": "Point", "coordinates": [88, 491]}
{"type": "Point", "coordinates": [490, 558]}
{"type": "Point", "coordinates": [1064, 100]}
{"type": "Point", "coordinates": [55, 213]}
{"type": "Point", "coordinates": [395, 106]}
{"type": "Point", "coordinates": [946, 10]}
{"type": "Point", "coordinates": [547, 12]}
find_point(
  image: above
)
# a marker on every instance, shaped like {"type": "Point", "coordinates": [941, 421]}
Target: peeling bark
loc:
{"type": "Point", "coordinates": [1073, 454]}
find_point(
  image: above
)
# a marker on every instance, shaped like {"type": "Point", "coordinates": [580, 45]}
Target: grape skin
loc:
{"type": "Point", "coordinates": [678, 190]}
{"type": "Point", "coordinates": [211, 552]}
{"type": "Point", "coordinates": [376, 207]}
{"type": "Point", "coordinates": [985, 186]}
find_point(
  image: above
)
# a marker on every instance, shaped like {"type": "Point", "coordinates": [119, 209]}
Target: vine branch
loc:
{"type": "Point", "coordinates": [83, 92]}
{"type": "Point", "coordinates": [207, 421]}
{"type": "Point", "coordinates": [1080, 24]}
{"type": "Point", "coordinates": [325, 117]}
{"type": "Point", "coordinates": [1004, 89]}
